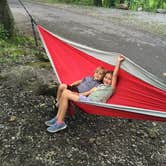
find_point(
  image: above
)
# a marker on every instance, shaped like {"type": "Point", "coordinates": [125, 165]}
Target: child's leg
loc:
{"type": "Point", "coordinates": [61, 88]}
{"type": "Point", "coordinates": [63, 105]}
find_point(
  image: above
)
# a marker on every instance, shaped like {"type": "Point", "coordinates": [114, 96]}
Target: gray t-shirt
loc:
{"type": "Point", "coordinates": [87, 84]}
{"type": "Point", "coordinates": [101, 94]}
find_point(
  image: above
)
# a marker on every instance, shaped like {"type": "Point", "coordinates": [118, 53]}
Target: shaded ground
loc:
{"type": "Point", "coordinates": [88, 140]}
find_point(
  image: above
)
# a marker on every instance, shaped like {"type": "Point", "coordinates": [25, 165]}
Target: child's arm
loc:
{"type": "Point", "coordinates": [88, 92]}
{"type": "Point", "coordinates": [76, 82]}
{"type": "Point", "coordinates": [115, 73]}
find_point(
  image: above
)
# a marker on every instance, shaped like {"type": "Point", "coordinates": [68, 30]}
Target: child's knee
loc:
{"type": "Point", "coordinates": [62, 86]}
{"type": "Point", "coordinates": [65, 93]}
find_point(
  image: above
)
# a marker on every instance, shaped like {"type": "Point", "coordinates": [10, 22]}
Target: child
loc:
{"type": "Point", "coordinates": [83, 85]}
{"type": "Point", "coordinates": [100, 93]}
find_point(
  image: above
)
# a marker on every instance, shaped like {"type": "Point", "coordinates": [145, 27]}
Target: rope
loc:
{"type": "Point", "coordinates": [33, 23]}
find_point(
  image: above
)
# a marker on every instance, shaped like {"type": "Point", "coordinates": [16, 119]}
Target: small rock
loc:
{"type": "Point", "coordinates": [13, 138]}
{"type": "Point", "coordinates": [69, 155]}
{"type": "Point", "coordinates": [162, 11]}
{"type": "Point", "coordinates": [123, 6]}
{"type": "Point", "coordinates": [153, 134]}
{"type": "Point", "coordinates": [12, 118]}
{"type": "Point", "coordinates": [42, 105]}
{"type": "Point", "coordinates": [154, 123]}
{"type": "Point", "coordinates": [1, 126]}
{"type": "Point", "coordinates": [92, 140]}
{"type": "Point", "coordinates": [139, 9]}
{"type": "Point", "coordinates": [98, 141]}
{"type": "Point", "coordinates": [163, 141]}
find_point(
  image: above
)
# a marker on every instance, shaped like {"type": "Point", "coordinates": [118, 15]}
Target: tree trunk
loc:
{"type": "Point", "coordinates": [112, 3]}
{"type": "Point", "coordinates": [97, 2]}
{"type": "Point", "coordinates": [159, 3]}
{"type": "Point", "coordinates": [6, 17]}
{"type": "Point", "coordinates": [129, 3]}
{"type": "Point", "coordinates": [121, 1]}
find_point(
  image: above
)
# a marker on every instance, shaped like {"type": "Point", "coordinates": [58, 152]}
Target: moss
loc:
{"type": "Point", "coordinates": [45, 65]}
{"type": "Point", "coordinates": [3, 78]}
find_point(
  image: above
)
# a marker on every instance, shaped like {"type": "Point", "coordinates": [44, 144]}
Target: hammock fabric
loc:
{"type": "Point", "coordinates": [139, 94]}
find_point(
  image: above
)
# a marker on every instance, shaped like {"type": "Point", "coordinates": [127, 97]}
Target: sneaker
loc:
{"type": "Point", "coordinates": [51, 122]}
{"type": "Point", "coordinates": [56, 127]}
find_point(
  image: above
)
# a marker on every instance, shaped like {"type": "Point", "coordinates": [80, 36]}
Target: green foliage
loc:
{"type": "Point", "coordinates": [6, 19]}
{"type": "Point", "coordinates": [3, 32]}
{"type": "Point", "coordinates": [80, 2]}
{"type": "Point", "coordinates": [106, 3]}
{"type": "Point", "coordinates": [147, 5]}
{"type": "Point", "coordinates": [13, 48]}
{"type": "Point", "coordinates": [83, 2]}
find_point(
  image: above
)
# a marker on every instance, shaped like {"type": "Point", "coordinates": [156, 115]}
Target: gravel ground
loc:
{"type": "Point", "coordinates": [89, 140]}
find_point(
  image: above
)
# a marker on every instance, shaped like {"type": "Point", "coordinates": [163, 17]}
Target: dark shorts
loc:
{"type": "Point", "coordinates": [72, 88]}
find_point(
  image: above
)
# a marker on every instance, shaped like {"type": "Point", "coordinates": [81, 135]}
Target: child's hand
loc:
{"type": "Point", "coordinates": [120, 58]}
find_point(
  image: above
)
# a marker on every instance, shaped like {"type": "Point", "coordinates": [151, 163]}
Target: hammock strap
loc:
{"type": "Point", "coordinates": [33, 23]}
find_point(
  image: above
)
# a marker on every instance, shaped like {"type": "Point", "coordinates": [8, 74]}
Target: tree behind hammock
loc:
{"type": "Point", "coordinates": [6, 18]}
{"type": "Point", "coordinates": [97, 2]}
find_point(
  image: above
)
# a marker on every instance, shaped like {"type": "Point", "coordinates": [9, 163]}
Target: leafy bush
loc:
{"type": "Point", "coordinates": [81, 2]}
{"type": "Point", "coordinates": [3, 32]}
{"type": "Point", "coordinates": [147, 5]}
{"type": "Point", "coordinates": [13, 48]}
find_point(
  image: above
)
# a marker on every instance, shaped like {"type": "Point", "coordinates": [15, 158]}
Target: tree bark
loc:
{"type": "Point", "coordinates": [159, 3]}
{"type": "Point", "coordinates": [112, 3]}
{"type": "Point", "coordinates": [6, 17]}
{"type": "Point", "coordinates": [97, 2]}
{"type": "Point", "coordinates": [129, 3]}
{"type": "Point", "coordinates": [121, 1]}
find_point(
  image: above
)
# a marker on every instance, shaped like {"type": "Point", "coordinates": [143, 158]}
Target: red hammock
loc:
{"type": "Point", "coordinates": [134, 98]}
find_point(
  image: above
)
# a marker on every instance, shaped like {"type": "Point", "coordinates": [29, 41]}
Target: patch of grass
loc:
{"type": "Point", "coordinates": [12, 49]}
{"type": "Point", "coordinates": [3, 32]}
{"type": "Point", "coordinates": [76, 2]}
{"type": "Point", "coordinates": [46, 65]}
{"type": "Point", "coordinates": [18, 45]}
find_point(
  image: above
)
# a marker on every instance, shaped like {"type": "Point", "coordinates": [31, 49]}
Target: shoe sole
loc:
{"type": "Point", "coordinates": [57, 130]}
{"type": "Point", "coordinates": [49, 125]}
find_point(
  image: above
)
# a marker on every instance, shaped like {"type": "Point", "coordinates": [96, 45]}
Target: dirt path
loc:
{"type": "Point", "coordinates": [139, 36]}
{"type": "Point", "coordinates": [89, 140]}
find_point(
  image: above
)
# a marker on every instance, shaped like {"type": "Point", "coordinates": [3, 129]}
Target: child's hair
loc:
{"type": "Point", "coordinates": [102, 69]}
{"type": "Point", "coordinates": [109, 72]}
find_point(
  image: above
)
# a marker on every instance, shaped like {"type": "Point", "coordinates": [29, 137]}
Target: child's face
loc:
{"type": "Point", "coordinates": [98, 75]}
{"type": "Point", "coordinates": [107, 79]}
